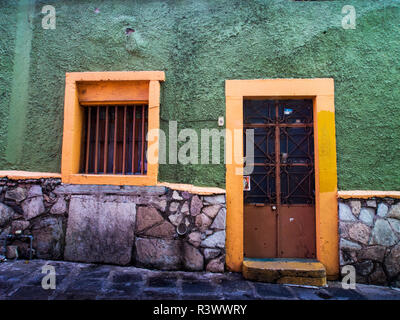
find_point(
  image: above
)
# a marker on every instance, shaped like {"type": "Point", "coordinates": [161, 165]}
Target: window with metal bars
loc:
{"type": "Point", "coordinates": [115, 139]}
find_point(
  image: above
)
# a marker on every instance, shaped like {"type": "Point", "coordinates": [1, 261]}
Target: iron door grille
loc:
{"type": "Point", "coordinates": [115, 139]}
{"type": "Point", "coordinates": [286, 127]}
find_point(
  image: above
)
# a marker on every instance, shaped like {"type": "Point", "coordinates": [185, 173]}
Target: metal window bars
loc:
{"type": "Point", "coordinates": [115, 139]}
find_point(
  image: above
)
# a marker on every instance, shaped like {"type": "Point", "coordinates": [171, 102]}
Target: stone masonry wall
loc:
{"type": "Point", "coordinates": [152, 227]}
{"type": "Point", "coordinates": [370, 239]}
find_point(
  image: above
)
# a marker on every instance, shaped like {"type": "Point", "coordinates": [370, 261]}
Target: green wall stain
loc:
{"type": "Point", "coordinates": [201, 43]}
{"type": "Point", "coordinates": [20, 85]}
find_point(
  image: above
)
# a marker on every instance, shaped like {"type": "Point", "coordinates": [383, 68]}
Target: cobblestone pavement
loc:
{"type": "Point", "coordinates": [22, 280]}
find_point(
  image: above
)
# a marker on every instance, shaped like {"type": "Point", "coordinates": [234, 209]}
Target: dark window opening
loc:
{"type": "Point", "coordinates": [115, 139]}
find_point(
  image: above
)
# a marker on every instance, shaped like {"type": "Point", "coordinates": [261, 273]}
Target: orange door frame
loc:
{"type": "Point", "coordinates": [322, 93]}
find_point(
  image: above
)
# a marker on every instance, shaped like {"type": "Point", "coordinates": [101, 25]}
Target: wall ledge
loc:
{"type": "Point", "coordinates": [366, 194]}
{"type": "Point", "coordinates": [192, 189]}
{"type": "Point", "coordinates": [27, 175]}
{"type": "Point", "coordinates": [95, 189]}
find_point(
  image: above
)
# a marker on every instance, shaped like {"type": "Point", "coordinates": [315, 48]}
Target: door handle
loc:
{"type": "Point", "coordinates": [284, 157]}
{"type": "Point", "coordinates": [273, 208]}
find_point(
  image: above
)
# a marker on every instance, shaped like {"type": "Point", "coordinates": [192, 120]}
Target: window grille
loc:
{"type": "Point", "coordinates": [115, 139]}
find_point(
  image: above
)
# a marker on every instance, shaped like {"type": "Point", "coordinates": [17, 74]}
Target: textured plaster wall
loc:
{"type": "Point", "coordinates": [201, 43]}
{"type": "Point", "coordinates": [8, 23]}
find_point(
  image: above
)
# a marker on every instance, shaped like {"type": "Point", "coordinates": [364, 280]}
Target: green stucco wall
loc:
{"type": "Point", "coordinates": [8, 25]}
{"type": "Point", "coordinates": [199, 44]}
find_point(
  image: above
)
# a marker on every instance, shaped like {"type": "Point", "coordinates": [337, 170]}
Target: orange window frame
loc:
{"type": "Point", "coordinates": [322, 93]}
{"type": "Point", "coordinates": [122, 87]}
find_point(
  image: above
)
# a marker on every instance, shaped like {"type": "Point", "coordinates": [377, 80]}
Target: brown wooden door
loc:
{"type": "Point", "coordinates": [279, 208]}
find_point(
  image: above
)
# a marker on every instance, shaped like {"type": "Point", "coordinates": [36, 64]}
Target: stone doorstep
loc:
{"type": "Point", "coordinates": [285, 271]}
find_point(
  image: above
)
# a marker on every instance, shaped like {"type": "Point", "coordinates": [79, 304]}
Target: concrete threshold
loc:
{"type": "Point", "coordinates": [302, 272]}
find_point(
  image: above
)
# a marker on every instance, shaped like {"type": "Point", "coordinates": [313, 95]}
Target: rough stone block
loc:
{"type": "Point", "coordinates": [378, 277]}
{"type": "Point", "coordinates": [60, 207]}
{"type": "Point", "coordinates": [173, 206]}
{"type": "Point", "coordinates": [176, 196]}
{"type": "Point", "coordinates": [18, 194]}
{"type": "Point", "coordinates": [355, 206]}
{"type": "Point", "coordinates": [185, 208]}
{"type": "Point", "coordinates": [344, 228]}
{"type": "Point", "coordinates": [35, 191]}
{"type": "Point", "coordinates": [48, 238]}
{"type": "Point", "coordinates": [360, 232]}
{"type": "Point", "coordinates": [211, 253]}
{"type": "Point", "coordinates": [6, 214]}
{"type": "Point", "coordinates": [383, 234]}
{"type": "Point", "coordinates": [219, 222]}
{"type": "Point", "coordinates": [202, 222]}
{"type": "Point", "coordinates": [349, 245]}
{"type": "Point", "coordinates": [375, 253]}
{"type": "Point", "coordinates": [192, 258]}
{"type": "Point", "coordinates": [19, 225]}
{"type": "Point", "coordinates": [217, 199]}
{"type": "Point", "coordinates": [195, 205]}
{"type": "Point", "coordinates": [12, 252]}
{"type": "Point", "coordinates": [345, 213]}
{"type": "Point", "coordinates": [3, 233]}
{"type": "Point", "coordinates": [395, 224]}
{"type": "Point", "coordinates": [158, 253]}
{"type": "Point", "coordinates": [394, 211]}
{"type": "Point", "coordinates": [382, 210]}
{"type": "Point", "coordinates": [195, 238]}
{"type": "Point", "coordinates": [176, 218]}
{"type": "Point", "coordinates": [33, 207]}
{"type": "Point", "coordinates": [99, 230]}
{"type": "Point", "coordinates": [371, 203]}
{"type": "Point", "coordinates": [165, 231]}
{"type": "Point", "coordinates": [211, 211]}
{"type": "Point", "coordinates": [147, 217]}
{"type": "Point", "coordinates": [216, 265]}
{"type": "Point", "coordinates": [185, 195]}
{"type": "Point", "coordinates": [216, 240]}
{"type": "Point", "coordinates": [367, 216]}
{"type": "Point", "coordinates": [392, 261]}
{"type": "Point", "coordinates": [158, 202]}
{"type": "Point", "coordinates": [364, 268]}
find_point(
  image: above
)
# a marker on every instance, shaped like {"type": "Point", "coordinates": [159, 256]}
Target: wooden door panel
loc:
{"type": "Point", "coordinates": [260, 231]}
{"type": "Point", "coordinates": [297, 231]}
{"type": "Point", "coordinates": [283, 177]}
